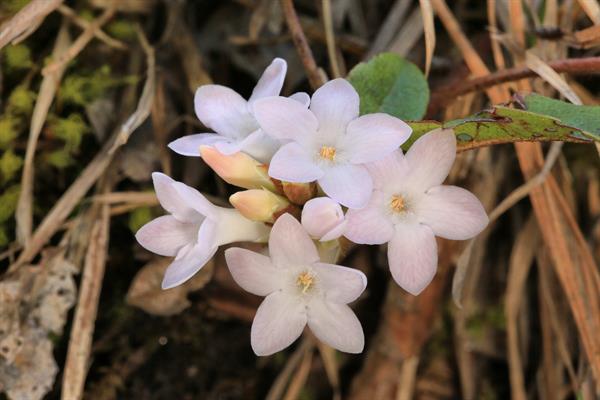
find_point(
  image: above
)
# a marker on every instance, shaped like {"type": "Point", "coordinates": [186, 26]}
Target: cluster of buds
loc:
{"type": "Point", "coordinates": [314, 171]}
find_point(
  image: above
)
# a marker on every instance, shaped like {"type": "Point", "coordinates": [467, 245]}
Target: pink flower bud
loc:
{"type": "Point", "coordinates": [323, 218]}
{"type": "Point", "coordinates": [260, 204]}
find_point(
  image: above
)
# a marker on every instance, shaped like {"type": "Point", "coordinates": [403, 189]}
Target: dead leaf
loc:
{"type": "Point", "coordinates": [145, 291]}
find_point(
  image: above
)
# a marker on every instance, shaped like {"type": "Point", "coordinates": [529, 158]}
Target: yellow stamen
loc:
{"type": "Point", "coordinates": [305, 280]}
{"type": "Point", "coordinates": [397, 203]}
{"type": "Point", "coordinates": [327, 152]}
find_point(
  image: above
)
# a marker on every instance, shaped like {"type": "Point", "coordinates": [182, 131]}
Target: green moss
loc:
{"type": "Point", "coordinates": [82, 89]}
{"type": "Point", "coordinates": [17, 57]}
{"type": "Point", "coordinates": [4, 239]}
{"type": "Point", "coordinates": [9, 130]}
{"type": "Point", "coordinates": [70, 129]}
{"type": "Point", "coordinates": [121, 29]}
{"type": "Point", "coordinates": [139, 217]}
{"type": "Point", "coordinates": [8, 202]}
{"type": "Point", "coordinates": [10, 164]}
{"type": "Point", "coordinates": [60, 159]}
{"type": "Point", "coordinates": [21, 101]}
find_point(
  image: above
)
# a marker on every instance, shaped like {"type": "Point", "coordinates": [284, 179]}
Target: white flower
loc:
{"type": "Point", "coordinates": [330, 142]}
{"type": "Point", "coordinates": [323, 219]}
{"type": "Point", "coordinates": [299, 290]}
{"type": "Point", "coordinates": [231, 117]}
{"type": "Point", "coordinates": [193, 230]}
{"type": "Point", "coordinates": [409, 207]}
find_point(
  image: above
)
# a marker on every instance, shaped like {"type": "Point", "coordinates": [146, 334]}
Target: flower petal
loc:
{"type": "Point", "coordinates": [293, 164]}
{"type": "Point", "coordinates": [290, 245]}
{"type": "Point", "coordinates": [260, 146]}
{"type": "Point", "coordinates": [224, 111]}
{"type": "Point", "coordinates": [452, 212]}
{"type": "Point", "coordinates": [194, 199]}
{"type": "Point", "coordinates": [369, 225]}
{"type": "Point", "coordinates": [371, 137]}
{"type": "Point", "coordinates": [190, 145]}
{"type": "Point", "coordinates": [390, 170]}
{"type": "Point", "coordinates": [320, 215]}
{"type": "Point", "coordinates": [279, 321]}
{"type": "Point", "coordinates": [340, 284]}
{"type": "Point", "coordinates": [335, 104]}
{"type": "Point", "coordinates": [166, 235]}
{"type": "Point", "coordinates": [301, 97]}
{"type": "Point", "coordinates": [349, 185]}
{"type": "Point", "coordinates": [412, 256]}
{"type": "Point", "coordinates": [335, 232]}
{"type": "Point", "coordinates": [182, 269]}
{"type": "Point", "coordinates": [170, 199]}
{"type": "Point", "coordinates": [285, 118]}
{"type": "Point", "coordinates": [430, 159]}
{"type": "Point", "coordinates": [336, 325]}
{"type": "Point", "coordinates": [271, 81]}
{"type": "Point", "coordinates": [253, 272]}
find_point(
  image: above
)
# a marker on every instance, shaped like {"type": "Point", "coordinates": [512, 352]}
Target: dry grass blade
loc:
{"type": "Point", "coordinates": [331, 368]}
{"type": "Point", "coordinates": [592, 9]}
{"type": "Point", "coordinates": [86, 36]}
{"type": "Point", "coordinates": [299, 380]}
{"type": "Point", "coordinates": [521, 259]}
{"type": "Point", "coordinates": [80, 343]}
{"type": "Point", "coordinates": [48, 88]}
{"type": "Point", "coordinates": [409, 34]}
{"type": "Point", "coordinates": [278, 387]}
{"type": "Point", "coordinates": [315, 76]}
{"type": "Point", "coordinates": [408, 377]}
{"type": "Point", "coordinates": [390, 27]}
{"type": "Point", "coordinates": [541, 68]}
{"type": "Point", "coordinates": [61, 210]}
{"type": "Point", "coordinates": [330, 38]}
{"type": "Point", "coordinates": [427, 13]}
{"type": "Point", "coordinates": [144, 106]}
{"type": "Point", "coordinates": [84, 24]}
{"type": "Point", "coordinates": [26, 21]}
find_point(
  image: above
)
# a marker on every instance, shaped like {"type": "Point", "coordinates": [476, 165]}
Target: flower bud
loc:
{"type": "Point", "coordinates": [299, 193]}
{"type": "Point", "coordinates": [323, 218]}
{"type": "Point", "coordinates": [261, 205]}
{"type": "Point", "coordinates": [238, 169]}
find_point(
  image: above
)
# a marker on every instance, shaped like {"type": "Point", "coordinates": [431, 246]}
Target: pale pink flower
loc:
{"type": "Point", "coordinates": [409, 207]}
{"type": "Point", "coordinates": [323, 219]}
{"type": "Point", "coordinates": [330, 143]}
{"type": "Point", "coordinates": [299, 290]}
{"type": "Point", "coordinates": [193, 230]}
{"type": "Point", "coordinates": [231, 117]}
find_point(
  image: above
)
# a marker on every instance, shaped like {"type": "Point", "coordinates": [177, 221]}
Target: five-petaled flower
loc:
{"type": "Point", "coordinates": [409, 207]}
{"type": "Point", "coordinates": [231, 117]}
{"type": "Point", "coordinates": [330, 143]}
{"type": "Point", "coordinates": [299, 290]}
{"type": "Point", "coordinates": [194, 229]}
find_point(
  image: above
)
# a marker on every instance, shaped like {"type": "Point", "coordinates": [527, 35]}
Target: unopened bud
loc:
{"type": "Point", "coordinates": [238, 169]}
{"type": "Point", "coordinates": [299, 193]}
{"type": "Point", "coordinates": [261, 205]}
{"type": "Point", "coordinates": [323, 219]}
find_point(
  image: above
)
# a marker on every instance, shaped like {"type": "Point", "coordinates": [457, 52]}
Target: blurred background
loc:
{"type": "Point", "coordinates": [91, 91]}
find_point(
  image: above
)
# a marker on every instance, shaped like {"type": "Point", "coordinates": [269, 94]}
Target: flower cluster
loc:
{"type": "Point", "coordinates": [285, 151]}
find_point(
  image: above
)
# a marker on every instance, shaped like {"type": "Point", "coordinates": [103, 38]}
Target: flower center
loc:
{"type": "Point", "coordinates": [397, 203]}
{"type": "Point", "coordinates": [327, 152]}
{"type": "Point", "coordinates": [305, 280]}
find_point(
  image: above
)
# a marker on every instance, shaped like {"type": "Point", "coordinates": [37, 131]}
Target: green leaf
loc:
{"type": "Point", "coordinates": [586, 118]}
{"type": "Point", "coordinates": [10, 164]}
{"type": "Point", "coordinates": [502, 124]}
{"type": "Point", "coordinates": [8, 202]}
{"type": "Point", "coordinates": [388, 83]}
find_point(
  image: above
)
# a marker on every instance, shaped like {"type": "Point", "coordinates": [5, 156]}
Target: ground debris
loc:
{"type": "Point", "coordinates": [34, 302]}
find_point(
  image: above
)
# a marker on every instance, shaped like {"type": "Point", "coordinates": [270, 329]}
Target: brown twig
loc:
{"type": "Point", "coordinates": [444, 95]}
{"type": "Point", "coordinates": [315, 76]}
